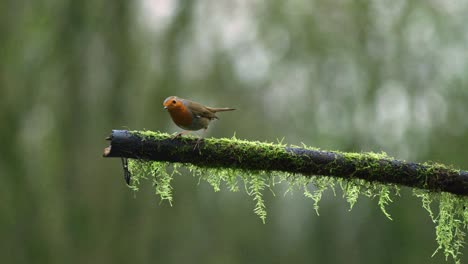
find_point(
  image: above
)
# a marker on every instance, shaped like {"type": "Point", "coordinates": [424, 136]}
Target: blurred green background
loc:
{"type": "Point", "coordinates": [347, 75]}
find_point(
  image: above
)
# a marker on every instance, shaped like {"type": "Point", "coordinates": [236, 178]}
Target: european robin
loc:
{"type": "Point", "coordinates": [191, 116]}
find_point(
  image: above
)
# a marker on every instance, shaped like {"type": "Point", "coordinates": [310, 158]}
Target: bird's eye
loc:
{"type": "Point", "coordinates": [174, 101]}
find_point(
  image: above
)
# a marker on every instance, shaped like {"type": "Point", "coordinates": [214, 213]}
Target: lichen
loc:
{"type": "Point", "coordinates": [451, 218]}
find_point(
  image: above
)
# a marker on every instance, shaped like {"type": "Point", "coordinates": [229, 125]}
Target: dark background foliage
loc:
{"type": "Point", "coordinates": [348, 75]}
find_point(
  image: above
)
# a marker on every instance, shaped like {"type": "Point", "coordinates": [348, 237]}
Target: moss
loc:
{"type": "Point", "coordinates": [321, 184]}
{"type": "Point", "coordinates": [451, 218]}
{"type": "Point", "coordinates": [150, 134]}
{"type": "Point", "coordinates": [256, 186]}
{"type": "Point", "coordinates": [157, 172]}
{"type": "Point", "coordinates": [384, 195]}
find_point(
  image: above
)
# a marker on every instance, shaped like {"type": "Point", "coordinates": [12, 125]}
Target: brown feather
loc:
{"type": "Point", "coordinates": [212, 109]}
{"type": "Point", "coordinates": [204, 111]}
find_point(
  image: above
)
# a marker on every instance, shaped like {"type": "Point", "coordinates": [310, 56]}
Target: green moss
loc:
{"type": "Point", "coordinates": [321, 184]}
{"type": "Point", "coordinates": [157, 172]}
{"type": "Point", "coordinates": [385, 199]}
{"type": "Point", "coordinates": [256, 186]}
{"type": "Point", "coordinates": [351, 190]}
{"type": "Point", "coordinates": [426, 199]}
{"type": "Point", "coordinates": [451, 219]}
{"type": "Point", "coordinates": [150, 134]}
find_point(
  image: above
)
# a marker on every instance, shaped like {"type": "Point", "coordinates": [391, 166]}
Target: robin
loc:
{"type": "Point", "coordinates": [191, 116]}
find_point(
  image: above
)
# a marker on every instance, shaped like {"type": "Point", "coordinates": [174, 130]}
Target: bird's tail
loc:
{"type": "Point", "coordinates": [212, 109]}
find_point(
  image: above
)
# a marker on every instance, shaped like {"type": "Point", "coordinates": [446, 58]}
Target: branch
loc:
{"type": "Point", "coordinates": [247, 155]}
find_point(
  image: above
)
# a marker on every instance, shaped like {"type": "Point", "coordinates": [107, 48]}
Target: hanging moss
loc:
{"type": "Point", "coordinates": [450, 216]}
{"type": "Point", "coordinates": [156, 172]}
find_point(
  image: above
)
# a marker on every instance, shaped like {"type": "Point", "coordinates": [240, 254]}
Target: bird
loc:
{"type": "Point", "coordinates": [191, 116]}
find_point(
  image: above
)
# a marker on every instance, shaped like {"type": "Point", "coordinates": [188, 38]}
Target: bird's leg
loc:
{"type": "Point", "coordinates": [197, 145]}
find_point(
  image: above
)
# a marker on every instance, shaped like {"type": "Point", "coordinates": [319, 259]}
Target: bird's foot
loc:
{"type": "Point", "coordinates": [197, 145]}
{"type": "Point", "coordinates": [179, 134]}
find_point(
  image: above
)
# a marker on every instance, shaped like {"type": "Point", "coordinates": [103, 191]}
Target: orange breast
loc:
{"type": "Point", "coordinates": [181, 117]}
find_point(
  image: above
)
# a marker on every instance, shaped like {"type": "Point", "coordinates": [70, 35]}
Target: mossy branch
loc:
{"type": "Point", "coordinates": [260, 156]}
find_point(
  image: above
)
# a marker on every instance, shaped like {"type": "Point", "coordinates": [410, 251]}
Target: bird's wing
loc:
{"type": "Point", "coordinates": [201, 110]}
{"type": "Point", "coordinates": [219, 109]}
